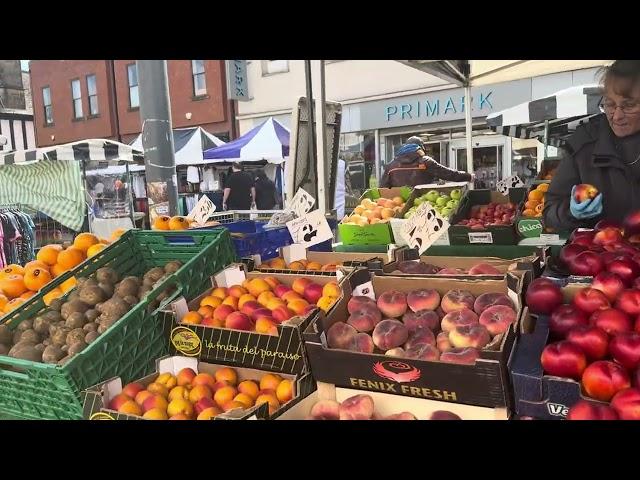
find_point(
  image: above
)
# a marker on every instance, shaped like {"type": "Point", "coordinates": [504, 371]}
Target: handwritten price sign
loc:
{"type": "Point", "coordinates": [203, 210]}
{"type": "Point", "coordinates": [424, 227]}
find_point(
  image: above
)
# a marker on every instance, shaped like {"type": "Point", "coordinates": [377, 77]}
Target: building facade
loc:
{"type": "Point", "coordinates": [16, 114]}
{"type": "Point", "coordinates": [78, 99]}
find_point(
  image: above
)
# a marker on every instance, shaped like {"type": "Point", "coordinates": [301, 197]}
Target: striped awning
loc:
{"type": "Point", "coordinates": [101, 151]}
{"type": "Point", "coordinates": [564, 111]}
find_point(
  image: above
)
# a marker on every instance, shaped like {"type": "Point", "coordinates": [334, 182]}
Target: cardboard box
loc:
{"type": "Point", "coordinates": [283, 353]}
{"type": "Point", "coordinates": [387, 404]}
{"type": "Point", "coordinates": [97, 398]}
{"type": "Point", "coordinates": [378, 234]}
{"type": "Point", "coordinates": [535, 394]}
{"type": "Point", "coordinates": [485, 383]}
{"type": "Point", "coordinates": [498, 234]}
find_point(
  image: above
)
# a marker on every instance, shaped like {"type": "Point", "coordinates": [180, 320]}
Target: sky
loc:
{"type": "Point", "coordinates": [24, 64]}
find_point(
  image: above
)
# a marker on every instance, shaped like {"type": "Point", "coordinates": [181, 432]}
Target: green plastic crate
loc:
{"type": "Point", "coordinates": [34, 390]}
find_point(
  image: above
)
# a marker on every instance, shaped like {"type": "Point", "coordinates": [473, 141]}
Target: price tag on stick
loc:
{"type": "Point", "coordinates": [310, 229]}
{"type": "Point", "coordinates": [203, 210]}
{"type": "Point", "coordinates": [424, 228]}
{"type": "Point", "coordinates": [302, 202]}
{"type": "Point", "coordinates": [503, 186]}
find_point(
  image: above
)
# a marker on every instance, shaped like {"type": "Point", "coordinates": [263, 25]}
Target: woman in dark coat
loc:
{"type": "Point", "coordinates": [265, 192]}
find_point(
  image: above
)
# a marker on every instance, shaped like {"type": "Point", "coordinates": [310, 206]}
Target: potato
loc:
{"type": "Point", "coordinates": [41, 325]}
{"type": "Point", "coordinates": [46, 342]}
{"type": "Point", "coordinates": [73, 296]}
{"type": "Point", "coordinates": [116, 307]}
{"type": "Point", "coordinates": [16, 337]}
{"type": "Point", "coordinates": [172, 267]}
{"type": "Point", "coordinates": [64, 348]}
{"type": "Point", "coordinates": [107, 288]}
{"type": "Point", "coordinates": [76, 320]}
{"type": "Point", "coordinates": [91, 315]}
{"type": "Point", "coordinates": [90, 327]}
{"type": "Point", "coordinates": [52, 329]}
{"type": "Point", "coordinates": [107, 275]}
{"type": "Point", "coordinates": [56, 304]}
{"type": "Point", "coordinates": [73, 306]}
{"type": "Point", "coordinates": [86, 282]}
{"type": "Point", "coordinates": [77, 347]}
{"type": "Point", "coordinates": [149, 283]}
{"type": "Point", "coordinates": [144, 290]}
{"type": "Point", "coordinates": [91, 295]}
{"type": "Point", "coordinates": [131, 300]}
{"type": "Point", "coordinates": [3, 349]}
{"type": "Point", "coordinates": [40, 347]}
{"type": "Point", "coordinates": [59, 337]}
{"type": "Point", "coordinates": [30, 336]}
{"type": "Point", "coordinates": [75, 335]}
{"type": "Point", "coordinates": [128, 286]}
{"type": "Point", "coordinates": [106, 321]}
{"type": "Point", "coordinates": [6, 335]}
{"type": "Point", "coordinates": [155, 274]}
{"type": "Point", "coordinates": [53, 315]}
{"type": "Point", "coordinates": [91, 336]}
{"type": "Point", "coordinates": [64, 360]}
{"type": "Point", "coordinates": [52, 354]}
{"type": "Point", "coordinates": [25, 325]}
{"type": "Point", "coordinates": [26, 351]}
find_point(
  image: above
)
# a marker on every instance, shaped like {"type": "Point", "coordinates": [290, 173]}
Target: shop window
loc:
{"type": "Point", "coordinates": [132, 74]}
{"type": "Point", "coordinates": [92, 92]}
{"type": "Point", "coordinates": [358, 150]}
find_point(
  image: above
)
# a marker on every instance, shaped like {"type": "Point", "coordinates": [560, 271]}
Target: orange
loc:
{"type": "Point", "coordinates": [536, 195]}
{"type": "Point", "coordinates": [530, 204]}
{"type": "Point", "coordinates": [68, 284]}
{"type": "Point", "coordinates": [36, 264]}
{"type": "Point", "coordinates": [543, 187]}
{"type": "Point", "coordinates": [49, 254]}
{"type": "Point", "coordinates": [27, 295]}
{"type": "Point", "coordinates": [12, 270]}
{"type": "Point", "coordinates": [57, 270]}
{"type": "Point", "coordinates": [95, 249]}
{"type": "Point", "coordinates": [162, 223]}
{"type": "Point", "coordinates": [52, 295]}
{"type": "Point", "coordinates": [178, 223]}
{"type": "Point", "coordinates": [527, 212]}
{"type": "Point", "coordinates": [36, 279]}
{"type": "Point", "coordinates": [71, 258]}
{"type": "Point", "coordinates": [539, 208]}
{"type": "Point", "coordinates": [3, 301]}
{"type": "Point", "coordinates": [13, 304]}
{"type": "Point", "coordinates": [85, 240]}
{"type": "Point", "coordinates": [117, 233]}
{"type": "Point", "coordinates": [13, 286]}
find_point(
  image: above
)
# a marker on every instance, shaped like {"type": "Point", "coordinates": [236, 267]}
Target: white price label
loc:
{"type": "Point", "coordinates": [301, 203]}
{"type": "Point", "coordinates": [203, 210]}
{"type": "Point", "coordinates": [503, 186]}
{"type": "Point", "coordinates": [480, 237]}
{"type": "Point", "coordinates": [310, 229]}
{"type": "Point", "coordinates": [549, 237]}
{"type": "Point", "coordinates": [364, 290]}
{"type": "Point", "coordinates": [424, 227]}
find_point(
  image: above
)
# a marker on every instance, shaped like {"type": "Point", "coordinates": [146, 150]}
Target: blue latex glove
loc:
{"type": "Point", "coordinates": [587, 209]}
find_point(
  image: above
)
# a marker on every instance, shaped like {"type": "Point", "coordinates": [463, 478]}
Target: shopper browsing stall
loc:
{"type": "Point", "coordinates": [604, 154]}
{"type": "Point", "coordinates": [239, 190]}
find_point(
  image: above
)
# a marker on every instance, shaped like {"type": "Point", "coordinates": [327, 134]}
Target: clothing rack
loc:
{"type": "Point", "coordinates": [17, 235]}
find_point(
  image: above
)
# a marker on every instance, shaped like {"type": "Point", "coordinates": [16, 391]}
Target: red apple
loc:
{"type": "Point", "coordinates": [607, 236]}
{"type": "Point", "coordinates": [586, 264]}
{"type": "Point", "coordinates": [590, 300]}
{"type": "Point", "coordinates": [608, 283]}
{"type": "Point", "coordinates": [582, 235]}
{"type": "Point", "coordinates": [631, 223]}
{"type": "Point", "coordinates": [625, 268]}
{"type": "Point", "coordinates": [592, 340]}
{"type": "Point", "coordinates": [543, 296]}
{"type": "Point", "coordinates": [627, 404]}
{"type": "Point", "coordinates": [584, 192]}
{"type": "Point", "coordinates": [563, 359]}
{"type": "Point", "coordinates": [602, 224]}
{"type": "Point", "coordinates": [584, 410]}
{"type": "Point", "coordinates": [583, 241]}
{"type": "Point", "coordinates": [603, 379]}
{"type": "Point", "coordinates": [636, 325]}
{"type": "Point", "coordinates": [611, 320]}
{"type": "Point", "coordinates": [565, 318]}
{"type": "Point", "coordinates": [629, 302]}
{"type": "Point", "coordinates": [569, 252]}
{"type": "Point", "coordinates": [625, 349]}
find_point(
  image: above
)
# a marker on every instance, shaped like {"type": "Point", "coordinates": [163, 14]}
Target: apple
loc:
{"type": "Point", "coordinates": [565, 318]}
{"type": "Point", "coordinates": [629, 302]}
{"type": "Point", "coordinates": [585, 192]}
{"type": "Point", "coordinates": [543, 296]}
{"type": "Point", "coordinates": [608, 283]}
{"type": "Point", "coordinates": [586, 264]}
{"type": "Point", "coordinates": [442, 201]}
{"type": "Point", "coordinates": [631, 223]}
{"type": "Point", "coordinates": [455, 194]}
{"type": "Point", "coordinates": [432, 195]}
{"type": "Point", "coordinates": [453, 204]}
{"type": "Point", "coordinates": [602, 224]}
{"type": "Point", "coordinates": [590, 300]}
{"type": "Point", "coordinates": [626, 269]}
{"type": "Point", "coordinates": [446, 211]}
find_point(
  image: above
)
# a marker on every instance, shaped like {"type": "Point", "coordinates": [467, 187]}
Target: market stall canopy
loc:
{"type": "Point", "coordinates": [563, 111]}
{"type": "Point", "coordinates": [268, 141]}
{"type": "Point", "coordinates": [189, 144]}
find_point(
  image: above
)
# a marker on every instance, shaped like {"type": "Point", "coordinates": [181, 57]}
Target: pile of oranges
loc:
{"type": "Point", "coordinates": [18, 284]}
{"type": "Point", "coordinates": [534, 205]}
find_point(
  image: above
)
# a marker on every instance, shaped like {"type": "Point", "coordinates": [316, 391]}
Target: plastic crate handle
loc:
{"type": "Point", "coordinates": [13, 362]}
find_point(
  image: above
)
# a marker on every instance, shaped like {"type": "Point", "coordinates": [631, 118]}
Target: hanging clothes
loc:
{"type": "Point", "coordinates": [17, 237]}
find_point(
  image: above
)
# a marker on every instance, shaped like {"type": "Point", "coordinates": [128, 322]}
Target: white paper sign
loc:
{"type": "Point", "coordinates": [480, 237]}
{"type": "Point", "coordinates": [310, 229]}
{"type": "Point", "coordinates": [503, 186]}
{"type": "Point", "coordinates": [203, 210]}
{"type": "Point", "coordinates": [301, 203]}
{"type": "Point", "coordinates": [424, 227]}
{"type": "Point", "coordinates": [364, 290]}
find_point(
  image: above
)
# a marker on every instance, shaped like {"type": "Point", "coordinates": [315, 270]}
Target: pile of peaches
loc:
{"type": "Point", "coordinates": [370, 212]}
{"type": "Point", "coordinates": [260, 304]}
{"type": "Point", "coordinates": [422, 325]}
{"type": "Point", "coordinates": [302, 264]}
{"type": "Point", "coordinates": [200, 396]}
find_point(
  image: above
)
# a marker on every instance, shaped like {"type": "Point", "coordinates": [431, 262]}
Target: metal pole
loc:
{"type": "Point", "coordinates": [130, 189]}
{"type": "Point", "coordinates": [468, 128]}
{"type": "Point", "coordinates": [321, 134]}
{"type": "Point", "coordinates": [157, 138]}
{"type": "Point", "coordinates": [546, 137]}
{"type": "Point", "coordinates": [310, 129]}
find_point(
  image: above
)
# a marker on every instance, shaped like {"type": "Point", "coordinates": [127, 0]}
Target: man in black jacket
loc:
{"type": "Point", "coordinates": [412, 167]}
{"type": "Point", "coordinates": [605, 153]}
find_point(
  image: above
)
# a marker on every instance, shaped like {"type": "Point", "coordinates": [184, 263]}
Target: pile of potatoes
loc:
{"type": "Point", "coordinates": [68, 326]}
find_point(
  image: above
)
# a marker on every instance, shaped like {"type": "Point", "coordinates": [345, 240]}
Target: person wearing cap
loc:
{"type": "Point", "coordinates": [411, 167]}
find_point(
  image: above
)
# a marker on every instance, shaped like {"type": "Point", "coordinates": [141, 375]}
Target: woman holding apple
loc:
{"type": "Point", "coordinates": [600, 177]}
{"type": "Point", "coordinates": [411, 167]}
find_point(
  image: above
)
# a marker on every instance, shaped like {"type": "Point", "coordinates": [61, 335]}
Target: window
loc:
{"type": "Point", "coordinates": [132, 73]}
{"type": "Point", "coordinates": [358, 152]}
{"type": "Point", "coordinates": [269, 67]}
{"type": "Point", "coordinates": [199, 83]}
{"type": "Point", "coordinates": [92, 91]}
{"type": "Point", "coordinates": [48, 109]}
{"type": "Point", "coordinates": [76, 94]}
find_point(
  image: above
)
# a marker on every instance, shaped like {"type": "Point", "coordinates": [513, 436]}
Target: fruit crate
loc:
{"type": "Point", "coordinates": [128, 349]}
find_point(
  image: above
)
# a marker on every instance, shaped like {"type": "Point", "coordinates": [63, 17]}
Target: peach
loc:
{"type": "Point", "coordinates": [274, 303]}
{"type": "Point", "coordinates": [325, 303]}
{"type": "Point", "coordinates": [487, 300]}
{"type": "Point", "coordinates": [359, 301]}
{"type": "Point", "coordinates": [180, 416]}
{"type": "Point", "coordinates": [457, 300]}
{"type": "Point", "coordinates": [392, 304]}
{"type": "Point", "coordinates": [423, 351]}
{"type": "Point", "coordinates": [180, 406]}
{"type": "Point", "coordinates": [261, 312]}
{"type": "Point", "coordinates": [271, 399]}
{"type": "Point", "coordinates": [313, 292]}
{"type": "Point", "coordinates": [233, 405]}
{"type": "Point", "coordinates": [247, 297]}
{"type": "Point", "coordinates": [421, 319]}
{"type": "Point", "coordinates": [325, 410]}
{"type": "Point", "coordinates": [244, 399]}
{"type": "Point", "coordinates": [340, 335]}
{"type": "Point", "coordinates": [484, 269]}
{"type": "Point", "coordinates": [310, 308]}
{"type": "Point", "coordinates": [329, 267]}
{"type": "Point", "coordinates": [257, 286]}
{"type": "Point", "coordinates": [443, 343]}
{"type": "Point", "coordinates": [178, 392]}
{"type": "Point", "coordinates": [389, 334]}
{"type": "Point", "coordinates": [282, 313]}
{"type": "Point", "coordinates": [331, 289]}
{"type": "Point", "coordinates": [159, 389]}
{"type": "Point", "coordinates": [474, 336]}
{"type": "Point", "coordinates": [358, 407]}
{"type": "Point", "coordinates": [249, 387]}
{"type": "Point", "coordinates": [222, 312]}
{"type": "Point", "coordinates": [209, 413]}
{"type": "Point", "coordinates": [290, 296]}
{"type": "Point", "coordinates": [458, 318]}
{"type": "Point", "coordinates": [444, 415]}
{"type": "Point", "coordinates": [264, 298]}
{"type": "Point", "coordinates": [218, 385]}
{"type": "Point", "coordinates": [204, 379]}
{"type": "Point", "coordinates": [203, 404]}
{"type": "Point", "coordinates": [246, 283]}
{"type": "Point", "coordinates": [211, 301]}
{"type": "Point", "coordinates": [300, 284]}
{"type": "Point", "coordinates": [423, 299]}
{"type": "Point", "coordinates": [198, 392]}
{"type": "Point", "coordinates": [364, 320]}
{"type": "Point", "coordinates": [273, 282]}
{"type": "Point", "coordinates": [239, 321]}
{"type": "Point", "coordinates": [266, 325]}
{"type": "Point", "coordinates": [142, 396]}
{"type": "Point", "coordinates": [212, 322]}
{"type": "Point", "coordinates": [297, 265]}
{"type": "Point", "coordinates": [237, 291]}
{"type": "Point", "coordinates": [270, 381]}
{"type": "Point", "coordinates": [395, 352]}
{"type": "Point", "coordinates": [132, 389]}
{"type": "Point", "coordinates": [156, 414]}
{"type": "Point", "coordinates": [462, 356]}
{"type": "Point", "coordinates": [249, 307]}
{"type": "Point", "coordinates": [231, 301]}
{"type": "Point", "coordinates": [192, 318]}
{"type": "Point", "coordinates": [278, 263]}
{"type": "Point", "coordinates": [167, 379]}
{"type": "Point", "coordinates": [298, 306]}
{"type": "Point", "coordinates": [220, 292]}
{"type": "Point", "coordinates": [284, 392]}
{"type": "Point", "coordinates": [422, 336]}
{"type": "Point", "coordinates": [497, 319]}
{"type": "Point", "coordinates": [155, 401]}
{"type": "Point", "coordinates": [224, 395]}
{"type": "Point", "coordinates": [281, 289]}
{"type": "Point", "coordinates": [314, 266]}
{"type": "Point", "coordinates": [440, 313]}
{"type": "Point", "coordinates": [206, 311]}
{"type": "Point", "coordinates": [362, 342]}
{"type": "Point", "coordinates": [130, 408]}
{"type": "Point", "coordinates": [118, 400]}
{"type": "Point", "coordinates": [226, 374]}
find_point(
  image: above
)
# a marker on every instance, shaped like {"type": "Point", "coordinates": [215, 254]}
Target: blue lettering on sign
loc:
{"type": "Point", "coordinates": [432, 111]}
{"type": "Point", "coordinates": [484, 100]}
{"type": "Point", "coordinates": [449, 106]}
{"type": "Point", "coordinates": [405, 109]}
{"type": "Point", "coordinates": [392, 110]}
{"type": "Point", "coordinates": [432, 107]}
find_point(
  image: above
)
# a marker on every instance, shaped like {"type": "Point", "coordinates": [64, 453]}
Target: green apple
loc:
{"type": "Point", "coordinates": [418, 201]}
{"type": "Point", "coordinates": [442, 201]}
{"type": "Point", "coordinates": [453, 204]}
{"type": "Point", "coordinates": [432, 195]}
{"type": "Point", "coordinates": [446, 212]}
{"type": "Point", "coordinates": [455, 194]}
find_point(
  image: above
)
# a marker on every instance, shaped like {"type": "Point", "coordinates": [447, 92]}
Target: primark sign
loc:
{"type": "Point", "coordinates": [432, 107]}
